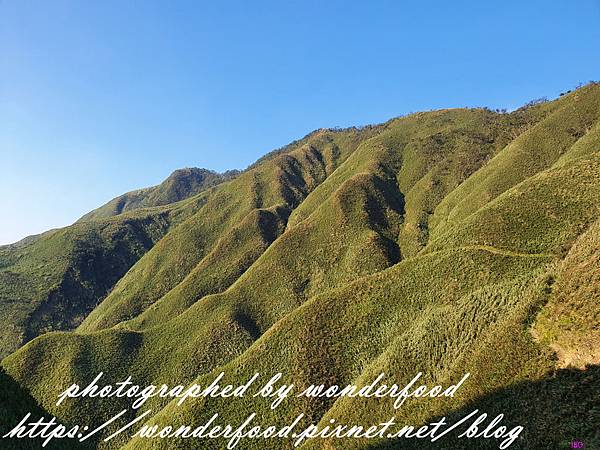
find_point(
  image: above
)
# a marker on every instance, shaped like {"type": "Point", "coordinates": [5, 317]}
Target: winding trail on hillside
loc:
{"type": "Point", "coordinates": [499, 251]}
{"type": "Point", "coordinates": [495, 251]}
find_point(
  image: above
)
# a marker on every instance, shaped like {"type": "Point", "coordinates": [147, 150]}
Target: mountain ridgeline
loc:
{"type": "Point", "coordinates": [52, 281]}
{"type": "Point", "coordinates": [446, 242]}
{"type": "Point", "coordinates": [181, 184]}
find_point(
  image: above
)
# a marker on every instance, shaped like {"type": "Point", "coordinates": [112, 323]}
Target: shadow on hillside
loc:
{"type": "Point", "coordinates": [15, 403]}
{"type": "Point", "coordinates": [554, 412]}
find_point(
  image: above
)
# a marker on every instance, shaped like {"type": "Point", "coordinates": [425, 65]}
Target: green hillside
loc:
{"type": "Point", "coordinates": [53, 281]}
{"type": "Point", "coordinates": [445, 242]}
{"type": "Point", "coordinates": [181, 184]}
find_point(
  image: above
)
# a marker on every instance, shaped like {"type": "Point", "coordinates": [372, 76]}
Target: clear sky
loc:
{"type": "Point", "coordinates": [101, 97]}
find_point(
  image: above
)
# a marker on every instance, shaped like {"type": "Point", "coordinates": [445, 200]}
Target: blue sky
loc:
{"type": "Point", "coordinates": [101, 97]}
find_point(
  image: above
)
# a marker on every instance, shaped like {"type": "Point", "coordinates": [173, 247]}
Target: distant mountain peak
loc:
{"type": "Point", "coordinates": [179, 185]}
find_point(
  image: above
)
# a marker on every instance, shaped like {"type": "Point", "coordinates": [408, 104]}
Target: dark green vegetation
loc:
{"type": "Point", "coordinates": [15, 403]}
{"type": "Point", "coordinates": [444, 242]}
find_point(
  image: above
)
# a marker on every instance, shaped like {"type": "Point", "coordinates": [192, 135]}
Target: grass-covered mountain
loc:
{"type": "Point", "coordinates": [53, 280]}
{"type": "Point", "coordinates": [181, 184]}
{"type": "Point", "coordinates": [451, 241]}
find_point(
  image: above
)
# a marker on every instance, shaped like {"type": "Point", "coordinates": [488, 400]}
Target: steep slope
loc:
{"type": "Point", "coordinates": [52, 281]}
{"type": "Point", "coordinates": [428, 154]}
{"type": "Point", "coordinates": [275, 187]}
{"type": "Point", "coordinates": [181, 184]}
{"type": "Point", "coordinates": [428, 244]}
{"type": "Point", "coordinates": [454, 143]}
{"type": "Point", "coordinates": [377, 195]}
{"type": "Point", "coordinates": [564, 122]}
{"type": "Point", "coordinates": [476, 320]}
{"type": "Point", "coordinates": [539, 202]}
{"type": "Point", "coordinates": [385, 322]}
{"type": "Point", "coordinates": [570, 321]}
{"type": "Point", "coordinates": [15, 403]}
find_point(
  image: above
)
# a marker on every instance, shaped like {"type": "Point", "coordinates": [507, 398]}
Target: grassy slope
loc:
{"type": "Point", "coordinates": [181, 184]}
{"type": "Point", "coordinates": [339, 296]}
{"type": "Point", "coordinates": [276, 186]}
{"type": "Point", "coordinates": [53, 281]}
{"type": "Point", "coordinates": [15, 403]}
{"type": "Point", "coordinates": [427, 155]}
{"type": "Point", "coordinates": [457, 329]}
{"type": "Point", "coordinates": [336, 337]}
{"type": "Point", "coordinates": [513, 220]}
{"type": "Point", "coordinates": [570, 322]}
{"type": "Point", "coordinates": [565, 121]}
{"type": "Point", "coordinates": [458, 136]}
{"type": "Point", "coordinates": [376, 195]}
